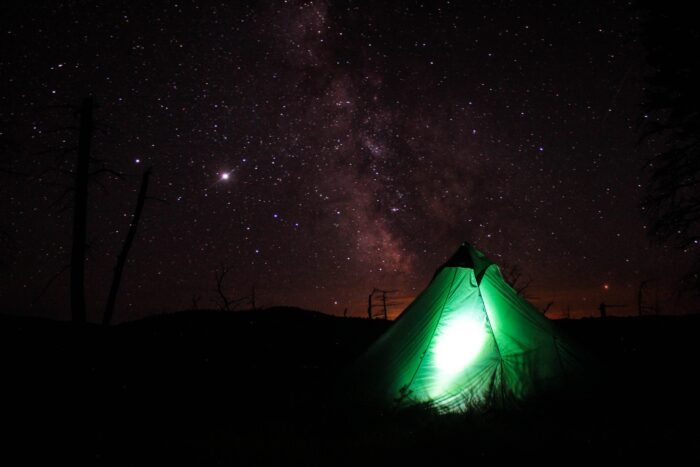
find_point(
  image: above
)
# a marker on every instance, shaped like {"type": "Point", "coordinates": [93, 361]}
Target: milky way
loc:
{"type": "Point", "coordinates": [322, 149]}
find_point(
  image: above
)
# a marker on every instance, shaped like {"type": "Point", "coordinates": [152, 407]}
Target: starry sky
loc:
{"type": "Point", "coordinates": [322, 148]}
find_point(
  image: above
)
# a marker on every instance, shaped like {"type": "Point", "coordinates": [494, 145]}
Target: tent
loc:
{"type": "Point", "coordinates": [468, 340]}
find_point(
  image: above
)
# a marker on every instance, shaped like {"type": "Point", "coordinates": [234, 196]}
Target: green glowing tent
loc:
{"type": "Point", "coordinates": [468, 340]}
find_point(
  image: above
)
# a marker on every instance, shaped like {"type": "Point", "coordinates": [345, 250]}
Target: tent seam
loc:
{"type": "Point", "coordinates": [432, 335]}
{"type": "Point", "coordinates": [488, 318]}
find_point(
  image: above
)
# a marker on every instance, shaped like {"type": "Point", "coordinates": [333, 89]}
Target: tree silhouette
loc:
{"type": "Point", "coordinates": [80, 189]}
{"type": "Point", "coordinates": [195, 301]}
{"type": "Point", "coordinates": [515, 277]}
{"type": "Point", "coordinates": [8, 147]}
{"type": "Point", "coordinates": [546, 308]}
{"type": "Point", "coordinates": [378, 299]}
{"type": "Point", "coordinates": [84, 170]}
{"type": "Point", "coordinates": [225, 302]}
{"type": "Point", "coordinates": [672, 121]}
{"type": "Point", "coordinates": [121, 259]}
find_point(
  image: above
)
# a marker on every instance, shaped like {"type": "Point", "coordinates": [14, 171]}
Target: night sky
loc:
{"type": "Point", "coordinates": [322, 149]}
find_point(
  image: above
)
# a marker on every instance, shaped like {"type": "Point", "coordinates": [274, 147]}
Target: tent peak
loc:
{"type": "Point", "coordinates": [467, 256]}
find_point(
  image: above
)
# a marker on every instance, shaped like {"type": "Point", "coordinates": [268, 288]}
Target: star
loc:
{"type": "Point", "coordinates": [320, 138]}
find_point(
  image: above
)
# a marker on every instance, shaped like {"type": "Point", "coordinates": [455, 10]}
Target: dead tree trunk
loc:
{"type": "Point", "coordinates": [384, 303]}
{"type": "Point", "coordinates": [219, 275]}
{"type": "Point", "coordinates": [372, 303]}
{"type": "Point", "coordinates": [121, 259]}
{"type": "Point", "coordinates": [82, 170]}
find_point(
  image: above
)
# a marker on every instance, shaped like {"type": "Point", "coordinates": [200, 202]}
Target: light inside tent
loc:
{"type": "Point", "coordinates": [458, 344]}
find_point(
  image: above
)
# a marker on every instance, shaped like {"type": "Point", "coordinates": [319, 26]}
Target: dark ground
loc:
{"type": "Point", "coordinates": [256, 388]}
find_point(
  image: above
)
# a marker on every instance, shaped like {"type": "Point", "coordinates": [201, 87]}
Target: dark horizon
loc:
{"type": "Point", "coordinates": [323, 149]}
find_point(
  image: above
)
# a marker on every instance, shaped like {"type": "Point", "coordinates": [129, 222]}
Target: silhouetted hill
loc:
{"type": "Point", "coordinates": [251, 385]}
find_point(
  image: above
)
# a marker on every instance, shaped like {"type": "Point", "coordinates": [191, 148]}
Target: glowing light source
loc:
{"type": "Point", "coordinates": [458, 344]}
{"type": "Point", "coordinates": [606, 286]}
{"type": "Point", "coordinates": [225, 176]}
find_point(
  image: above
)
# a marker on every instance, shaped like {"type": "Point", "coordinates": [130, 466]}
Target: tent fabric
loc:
{"type": "Point", "coordinates": [467, 340]}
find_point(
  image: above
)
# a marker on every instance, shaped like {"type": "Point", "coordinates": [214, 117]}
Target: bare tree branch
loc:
{"type": "Point", "coordinates": [226, 303]}
{"type": "Point", "coordinates": [220, 275]}
{"type": "Point", "coordinates": [105, 170]}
